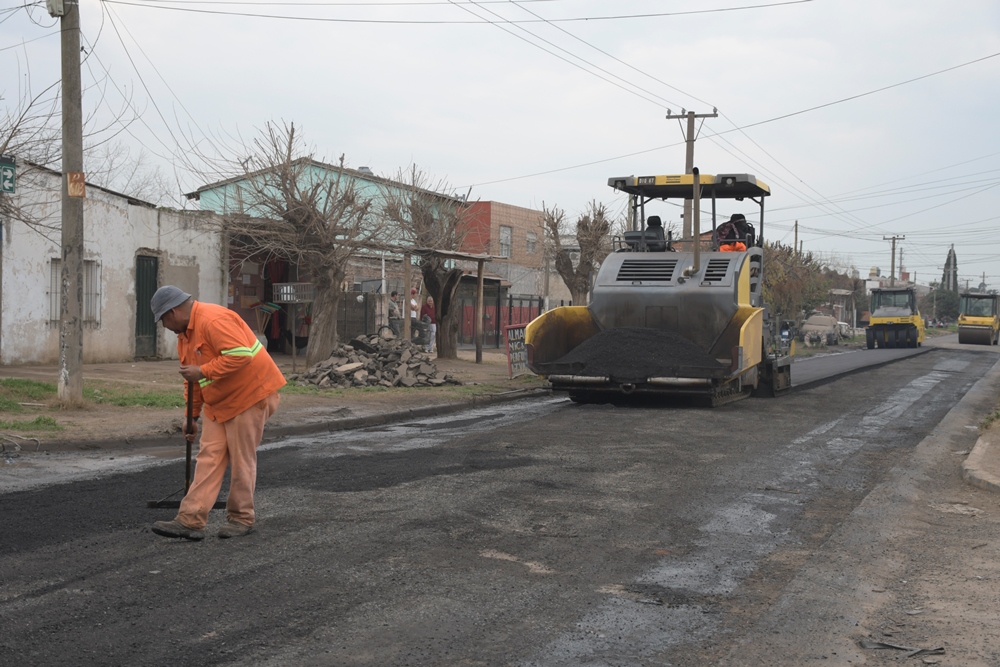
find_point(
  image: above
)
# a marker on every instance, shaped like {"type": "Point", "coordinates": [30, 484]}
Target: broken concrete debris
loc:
{"type": "Point", "coordinates": [369, 361]}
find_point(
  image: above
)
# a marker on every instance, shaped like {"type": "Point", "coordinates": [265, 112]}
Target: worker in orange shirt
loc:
{"type": "Point", "coordinates": [732, 234]}
{"type": "Point", "coordinates": [235, 384]}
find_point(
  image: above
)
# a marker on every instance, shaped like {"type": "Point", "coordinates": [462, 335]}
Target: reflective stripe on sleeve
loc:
{"type": "Point", "coordinates": [244, 351]}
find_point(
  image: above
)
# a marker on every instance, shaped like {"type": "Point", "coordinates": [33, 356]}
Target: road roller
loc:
{"type": "Point", "coordinates": [978, 318]}
{"type": "Point", "coordinates": [895, 320]}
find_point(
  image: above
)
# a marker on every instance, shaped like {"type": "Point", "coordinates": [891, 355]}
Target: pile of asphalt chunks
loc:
{"type": "Point", "coordinates": [368, 361]}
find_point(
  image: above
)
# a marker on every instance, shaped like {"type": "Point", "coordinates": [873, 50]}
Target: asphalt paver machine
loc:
{"type": "Point", "coordinates": [671, 316]}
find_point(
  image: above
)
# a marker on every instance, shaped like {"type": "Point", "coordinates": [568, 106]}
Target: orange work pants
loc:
{"type": "Point", "coordinates": [233, 443]}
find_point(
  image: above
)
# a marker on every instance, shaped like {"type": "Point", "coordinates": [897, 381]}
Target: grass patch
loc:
{"type": "Point", "coordinates": [990, 419]}
{"type": "Point", "coordinates": [14, 391]}
{"type": "Point", "coordinates": [131, 397]}
{"type": "Point", "coordinates": [40, 423]}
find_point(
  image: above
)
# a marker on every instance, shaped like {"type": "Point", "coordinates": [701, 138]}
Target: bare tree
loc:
{"type": "Point", "coordinates": [289, 205]}
{"type": "Point", "coordinates": [31, 132]}
{"type": "Point", "coordinates": [429, 220]}
{"type": "Point", "coordinates": [116, 166]}
{"type": "Point", "coordinates": [593, 240]}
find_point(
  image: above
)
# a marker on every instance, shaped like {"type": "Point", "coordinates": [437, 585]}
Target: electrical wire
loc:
{"type": "Point", "coordinates": [755, 124]}
{"type": "Point", "coordinates": [440, 22]}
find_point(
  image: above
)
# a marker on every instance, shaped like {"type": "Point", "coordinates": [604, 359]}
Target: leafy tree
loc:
{"type": "Point", "coordinates": [939, 304]}
{"type": "Point", "coordinates": [794, 283]}
{"type": "Point", "coordinates": [592, 231]}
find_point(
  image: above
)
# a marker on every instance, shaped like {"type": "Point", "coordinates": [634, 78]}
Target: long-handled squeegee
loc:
{"type": "Point", "coordinates": [166, 503]}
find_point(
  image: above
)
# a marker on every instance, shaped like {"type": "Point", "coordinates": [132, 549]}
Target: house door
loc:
{"type": "Point", "coordinates": [145, 285]}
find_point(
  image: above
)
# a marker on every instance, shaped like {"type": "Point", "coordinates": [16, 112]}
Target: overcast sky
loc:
{"type": "Point", "coordinates": [867, 118]}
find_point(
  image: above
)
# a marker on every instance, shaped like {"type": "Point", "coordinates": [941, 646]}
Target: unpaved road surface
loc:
{"type": "Point", "coordinates": [765, 532]}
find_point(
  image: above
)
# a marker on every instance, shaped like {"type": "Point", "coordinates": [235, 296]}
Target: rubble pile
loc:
{"type": "Point", "coordinates": [368, 361]}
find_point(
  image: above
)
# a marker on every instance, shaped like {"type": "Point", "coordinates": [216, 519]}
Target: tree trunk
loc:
{"type": "Point", "coordinates": [323, 330]}
{"type": "Point", "coordinates": [443, 286]}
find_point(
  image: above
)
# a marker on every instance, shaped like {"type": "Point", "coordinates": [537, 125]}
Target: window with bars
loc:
{"type": "Point", "coordinates": [91, 292]}
{"type": "Point", "coordinates": [506, 240]}
{"type": "Point", "coordinates": [532, 245]}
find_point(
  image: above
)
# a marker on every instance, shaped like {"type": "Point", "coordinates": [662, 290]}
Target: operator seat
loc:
{"type": "Point", "coordinates": [654, 229]}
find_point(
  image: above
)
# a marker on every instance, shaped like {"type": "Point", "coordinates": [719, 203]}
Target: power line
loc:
{"type": "Point", "coordinates": [501, 27]}
{"type": "Point", "coordinates": [762, 122]}
{"type": "Point", "coordinates": [618, 17]}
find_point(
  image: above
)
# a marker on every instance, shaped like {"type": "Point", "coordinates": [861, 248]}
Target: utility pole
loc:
{"type": "Point", "coordinates": [70, 385]}
{"type": "Point", "coordinates": [689, 159]}
{"type": "Point", "coordinates": [892, 266]}
{"type": "Point", "coordinates": [795, 248]}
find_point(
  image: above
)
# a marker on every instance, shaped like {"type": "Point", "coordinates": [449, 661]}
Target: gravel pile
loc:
{"type": "Point", "coordinates": [369, 361]}
{"type": "Point", "coordinates": [632, 354]}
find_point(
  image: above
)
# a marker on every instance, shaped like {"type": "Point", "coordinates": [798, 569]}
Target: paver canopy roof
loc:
{"type": "Point", "coordinates": [680, 186]}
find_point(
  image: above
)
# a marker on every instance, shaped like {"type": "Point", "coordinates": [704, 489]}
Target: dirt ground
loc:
{"type": "Point", "coordinates": [102, 425]}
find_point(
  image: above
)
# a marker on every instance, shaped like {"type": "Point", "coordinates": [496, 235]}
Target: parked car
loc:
{"type": "Point", "coordinates": [820, 330]}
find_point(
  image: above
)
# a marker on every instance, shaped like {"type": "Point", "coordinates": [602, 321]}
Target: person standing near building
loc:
{"type": "Point", "coordinates": [235, 384]}
{"type": "Point", "coordinates": [414, 305]}
{"type": "Point", "coordinates": [427, 315]}
{"type": "Point", "coordinates": [395, 317]}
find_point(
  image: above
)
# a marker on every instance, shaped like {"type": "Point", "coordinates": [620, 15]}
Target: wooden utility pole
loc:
{"type": "Point", "coordinates": [892, 264]}
{"type": "Point", "coordinates": [689, 160]}
{"type": "Point", "coordinates": [479, 312]}
{"type": "Point", "coordinates": [70, 384]}
{"type": "Point", "coordinates": [795, 248]}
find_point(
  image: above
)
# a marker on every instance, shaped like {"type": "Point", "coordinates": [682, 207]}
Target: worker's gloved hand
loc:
{"type": "Point", "coordinates": [192, 433]}
{"type": "Point", "coordinates": [191, 373]}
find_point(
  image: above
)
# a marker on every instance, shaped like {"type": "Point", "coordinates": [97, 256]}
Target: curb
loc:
{"type": "Point", "coordinates": [379, 419]}
{"type": "Point", "coordinates": [972, 468]}
{"type": "Point", "coordinates": [277, 433]}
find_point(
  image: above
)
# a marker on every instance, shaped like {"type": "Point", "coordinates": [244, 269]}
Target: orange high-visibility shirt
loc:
{"type": "Point", "coordinates": [238, 370]}
{"type": "Point", "coordinates": [733, 246]}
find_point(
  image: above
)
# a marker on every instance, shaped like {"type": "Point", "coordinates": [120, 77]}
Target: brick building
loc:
{"type": "Point", "coordinates": [515, 236]}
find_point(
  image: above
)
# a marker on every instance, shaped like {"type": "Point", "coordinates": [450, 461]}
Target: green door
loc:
{"type": "Point", "coordinates": [145, 285]}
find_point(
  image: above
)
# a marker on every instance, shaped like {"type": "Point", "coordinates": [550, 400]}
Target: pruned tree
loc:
{"type": "Point", "coordinates": [286, 204]}
{"type": "Point", "coordinates": [429, 220]}
{"type": "Point", "coordinates": [593, 243]}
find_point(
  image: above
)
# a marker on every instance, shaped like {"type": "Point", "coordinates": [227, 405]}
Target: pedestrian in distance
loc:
{"type": "Point", "coordinates": [235, 384]}
{"type": "Point", "coordinates": [395, 317]}
{"type": "Point", "coordinates": [427, 315]}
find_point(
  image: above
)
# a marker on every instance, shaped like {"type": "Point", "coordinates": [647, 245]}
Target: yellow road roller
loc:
{"type": "Point", "coordinates": [978, 318]}
{"type": "Point", "coordinates": [895, 320]}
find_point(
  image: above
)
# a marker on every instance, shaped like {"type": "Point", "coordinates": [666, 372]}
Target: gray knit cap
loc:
{"type": "Point", "coordinates": [165, 298]}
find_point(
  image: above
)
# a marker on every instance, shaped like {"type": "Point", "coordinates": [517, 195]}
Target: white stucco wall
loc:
{"type": "Point", "coordinates": [115, 231]}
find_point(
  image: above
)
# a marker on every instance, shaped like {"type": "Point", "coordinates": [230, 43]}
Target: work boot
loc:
{"type": "Point", "coordinates": [235, 529]}
{"type": "Point", "coordinates": [177, 529]}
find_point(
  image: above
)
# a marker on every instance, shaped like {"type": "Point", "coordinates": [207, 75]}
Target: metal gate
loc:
{"type": "Point", "coordinates": [146, 268]}
{"type": "Point", "coordinates": [356, 315]}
